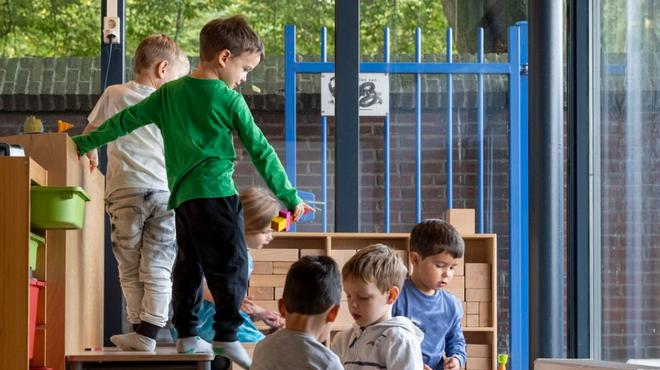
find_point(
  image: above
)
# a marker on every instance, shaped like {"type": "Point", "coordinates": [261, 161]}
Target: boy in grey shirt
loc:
{"type": "Point", "coordinates": [309, 305]}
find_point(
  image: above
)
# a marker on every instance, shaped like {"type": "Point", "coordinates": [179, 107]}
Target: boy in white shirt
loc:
{"type": "Point", "coordinates": [143, 230]}
{"type": "Point", "coordinates": [372, 280]}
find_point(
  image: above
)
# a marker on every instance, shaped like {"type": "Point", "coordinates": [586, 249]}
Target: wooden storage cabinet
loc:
{"type": "Point", "coordinates": [271, 265]}
{"type": "Point", "coordinates": [17, 175]}
{"type": "Point", "coordinates": [72, 261]}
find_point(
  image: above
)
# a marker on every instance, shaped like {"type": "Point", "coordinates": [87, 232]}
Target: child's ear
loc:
{"type": "Point", "coordinates": [333, 313]}
{"type": "Point", "coordinates": [392, 294]}
{"type": "Point", "coordinates": [161, 68]}
{"type": "Point", "coordinates": [222, 57]}
{"type": "Point", "coordinates": [415, 258]}
{"type": "Point", "coordinates": [281, 307]}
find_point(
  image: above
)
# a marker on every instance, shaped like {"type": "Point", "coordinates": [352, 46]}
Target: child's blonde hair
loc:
{"type": "Point", "coordinates": [377, 264]}
{"type": "Point", "coordinates": [259, 208]}
{"type": "Point", "coordinates": [155, 49]}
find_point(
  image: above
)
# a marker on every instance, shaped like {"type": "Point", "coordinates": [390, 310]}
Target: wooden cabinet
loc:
{"type": "Point", "coordinates": [71, 318]}
{"type": "Point", "coordinates": [474, 281]}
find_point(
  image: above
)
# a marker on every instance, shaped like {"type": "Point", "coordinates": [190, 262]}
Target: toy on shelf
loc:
{"type": "Point", "coordinates": [502, 359]}
{"type": "Point", "coordinates": [63, 126]}
{"type": "Point", "coordinates": [32, 124]}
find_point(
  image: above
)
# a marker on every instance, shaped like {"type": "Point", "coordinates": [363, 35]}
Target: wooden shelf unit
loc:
{"type": "Point", "coordinates": [72, 261]}
{"type": "Point", "coordinates": [272, 262]}
{"type": "Point", "coordinates": [17, 175]}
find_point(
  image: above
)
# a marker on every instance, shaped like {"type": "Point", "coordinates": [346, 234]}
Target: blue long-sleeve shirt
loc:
{"type": "Point", "coordinates": [439, 317]}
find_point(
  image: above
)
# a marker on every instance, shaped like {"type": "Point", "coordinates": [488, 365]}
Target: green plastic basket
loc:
{"type": "Point", "coordinates": [35, 241]}
{"type": "Point", "coordinates": [58, 208]}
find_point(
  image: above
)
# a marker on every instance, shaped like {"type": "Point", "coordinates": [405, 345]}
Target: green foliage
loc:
{"type": "Point", "coordinates": [56, 28]}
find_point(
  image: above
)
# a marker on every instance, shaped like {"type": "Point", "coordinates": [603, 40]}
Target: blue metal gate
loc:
{"type": "Point", "coordinates": [516, 69]}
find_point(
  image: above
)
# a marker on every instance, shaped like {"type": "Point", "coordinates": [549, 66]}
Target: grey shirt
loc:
{"type": "Point", "coordinates": [293, 350]}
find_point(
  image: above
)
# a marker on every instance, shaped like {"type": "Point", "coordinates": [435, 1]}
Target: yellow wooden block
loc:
{"type": "Point", "coordinates": [278, 223]}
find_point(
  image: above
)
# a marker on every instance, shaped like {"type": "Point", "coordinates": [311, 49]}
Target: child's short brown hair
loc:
{"type": "Point", "coordinates": [155, 49]}
{"type": "Point", "coordinates": [233, 34]}
{"type": "Point", "coordinates": [377, 264]}
{"type": "Point", "coordinates": [259, 208]}
{"type": "Point", "coordinates": [434, 236]}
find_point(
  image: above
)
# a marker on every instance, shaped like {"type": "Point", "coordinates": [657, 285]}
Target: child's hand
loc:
{"type": "Point", "coordinates": [93, 160]}
{"type": "Point", "coordinates": [247, 306]}
{"type": "Point", "coordinates": [270, 318]}
{"type": "Point", "coordinates": [452, 363]}
{"type": "Point", "coordinates": [427, 367]}
{"type": "Point", "coordinates": [300, 210]}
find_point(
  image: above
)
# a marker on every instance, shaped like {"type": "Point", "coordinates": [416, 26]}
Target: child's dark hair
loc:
{"type": "Point", "coordinates": [312, 286]}
{"type": "Point", "coordinates": [233, 34]}
{"type": "Point", "coordinates": [434, 236]}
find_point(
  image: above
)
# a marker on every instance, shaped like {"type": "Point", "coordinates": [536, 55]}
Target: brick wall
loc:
{"type": "Point", "coordinates": [67, 89]}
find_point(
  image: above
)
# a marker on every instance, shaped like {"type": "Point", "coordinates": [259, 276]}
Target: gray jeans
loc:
{"type": "Point", "coordinates": [143, 241]}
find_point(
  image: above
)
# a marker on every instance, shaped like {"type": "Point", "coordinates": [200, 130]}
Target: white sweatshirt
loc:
{"type": "Point", "coordinates": [393, 344]}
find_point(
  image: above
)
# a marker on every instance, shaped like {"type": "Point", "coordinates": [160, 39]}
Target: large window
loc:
{"type": "Point", "coordinates": [626, 202]}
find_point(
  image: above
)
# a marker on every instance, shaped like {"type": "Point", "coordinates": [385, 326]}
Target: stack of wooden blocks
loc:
{"type": "Point", "coordinates": [472, 285]}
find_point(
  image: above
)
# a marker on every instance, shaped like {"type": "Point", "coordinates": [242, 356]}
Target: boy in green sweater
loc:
{"type": "Point", "coordinates": [197, 115]}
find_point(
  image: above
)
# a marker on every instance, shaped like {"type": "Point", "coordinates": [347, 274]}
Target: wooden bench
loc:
{"type": "Point", "coordinates": [163, 355]}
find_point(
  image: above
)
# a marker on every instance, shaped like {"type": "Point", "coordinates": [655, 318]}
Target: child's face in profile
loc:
{"type": "Point", "coordinates": [236, 69]}
{"type": "Point", "coordinates": [433, 272]}
{"type": "Point", "coordinates": [257, 239]}
{"type": "Point", "coordinates": [366, 303]}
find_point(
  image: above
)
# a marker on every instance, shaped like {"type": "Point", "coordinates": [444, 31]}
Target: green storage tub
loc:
{"type": "Point", "coordinates": [35, 241]}
{"type": "Point", "coordinates": [58, 208]}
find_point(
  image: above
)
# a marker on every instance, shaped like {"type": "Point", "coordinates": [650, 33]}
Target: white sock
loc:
{"type": "Point", "coordinates": [193, 345]}
{"type": "Point", "coordinates": [133, 342]}
{"type": "Point", "coordinates": [233, 351]}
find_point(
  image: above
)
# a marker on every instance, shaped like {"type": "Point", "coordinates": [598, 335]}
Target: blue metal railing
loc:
{"type": "Point", "coordinates": [517, 72]}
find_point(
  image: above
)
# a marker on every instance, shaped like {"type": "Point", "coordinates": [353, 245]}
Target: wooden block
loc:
{"type": "Point", "coordinates": [272, 255]}
{"type": "Point", "coordinates": [342, 256]}
{"type": "Point", "coordinates": [485, 314]}
{"type": "Point", "coordinates": [461, 219]}
{"type": "Point", "coordinates": [478, 295]}
{"type": "Point", "coordinates": [472, 321]}
{"type": "Point", "coordinates": [464, 317]}
{"type": "Point", "coordinates": [312, 252]}
{"type": "Point", "coordinates": [477, 275]}
{"type": "Point", "coordinates": [459, 270]}
{"type": "Point", "coordinates": [278, 293]}
{"type": "Point", "coordinates": [264, 293]}
{"type": "Point", "coordinates": [478, 350]}
{"type": "Point", "coordinates": [404, 255]}
{"type": "Point", "coordinates": [267, 305]}
{"type": "Point", "coordinates": [458, 282]}
{"type": "Point", "coordinates": [262, 268]}
{"type": "Point", "coordinates": [267, 281]}
{"type": "Point", "coordinates": [472, 308]}
{"type": "Point", "coordinates": [281, 267]}
{"type": "Point", "coordinates": [478, 363]}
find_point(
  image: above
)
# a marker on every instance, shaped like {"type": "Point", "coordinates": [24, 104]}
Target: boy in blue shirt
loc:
{"type": "Point", "coordinates": [435, 247]}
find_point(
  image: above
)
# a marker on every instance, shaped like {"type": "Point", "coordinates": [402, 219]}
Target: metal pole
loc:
{"type": "Point", "coordinates": [347, 119]}
{"type": "Point", "coordinates": [546, 181]}
{"type": "Point", "coordinates": [579, 107]}
{"type": "Point", "coordinates": [112, 73]}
